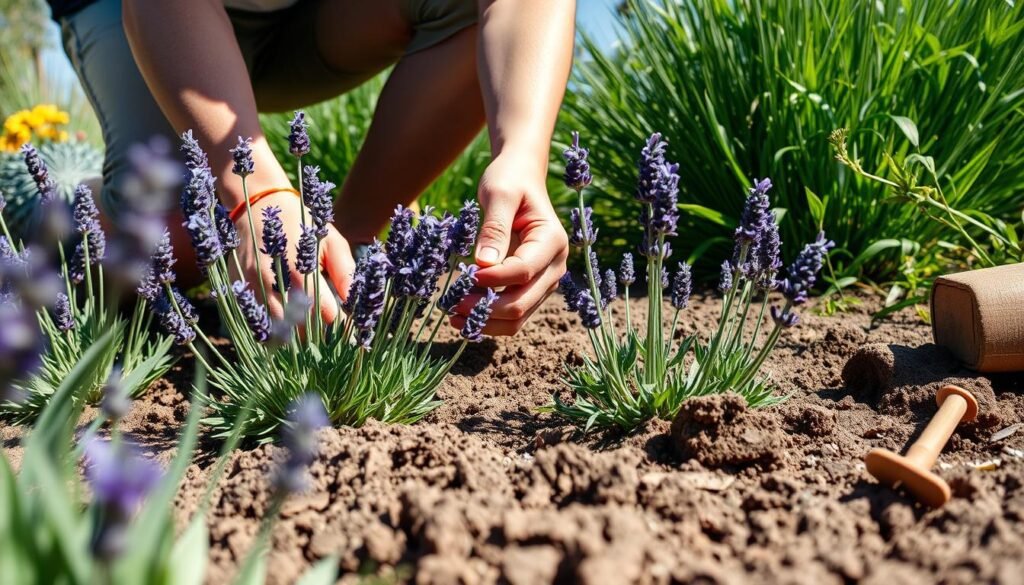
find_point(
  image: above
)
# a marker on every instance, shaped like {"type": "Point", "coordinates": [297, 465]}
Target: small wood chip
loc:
{"type": "Point", "coordinates": [990, 465]}
{"type": "Point", "coordinates": [1006, 432]}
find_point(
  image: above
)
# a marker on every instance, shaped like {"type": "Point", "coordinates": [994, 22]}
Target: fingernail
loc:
{"type": "Point", "coordinates": [487, 254]}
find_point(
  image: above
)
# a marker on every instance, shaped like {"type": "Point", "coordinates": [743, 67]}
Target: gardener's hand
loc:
{"type": "Point", "coordinates": [335, 256]}
{"type": "Point", "coordinates": [522, 246]}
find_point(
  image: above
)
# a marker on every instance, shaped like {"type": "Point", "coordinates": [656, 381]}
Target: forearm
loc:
{"type": "Point", "coordinates": [187, 53]}
{"type": "Point", "coordinates": [525, 52]}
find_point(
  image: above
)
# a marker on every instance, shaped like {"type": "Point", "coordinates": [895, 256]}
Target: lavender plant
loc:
{"type": "Point", "coordinates": [64, 287]}
{"type": "Point", "coordinates": [636, 373]}
{"type": "Point", "coordinates": [378, 361]}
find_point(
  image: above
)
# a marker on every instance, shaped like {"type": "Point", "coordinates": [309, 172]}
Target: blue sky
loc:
{"type": "Point", "coordinates": [596, 17]}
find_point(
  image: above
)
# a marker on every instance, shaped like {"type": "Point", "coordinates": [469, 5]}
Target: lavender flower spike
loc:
{"type": "Point", "coordinates": [570, 292]}
{"type": "Point", "coordinates": [275, 242]}
{"type": "Point", "coordinates": [725, 282]}
{"type": "Point", "coordinates": [62, 315]}
{"type": "Point", "coordinates": [370, 304]}
{"type": "Point", "coordinates": [682, 285]}
{"type": "Point", "coordinates": [608, 289]}
{"type": "Point", "coordinates": [627, 274]}
{"type": "Point", "coordinates": [306, 416]}
{"type": "Point", "coordinates": [226, 230]}
{"type": "Point", "coordinates": [587, 309]}
{"type": "Point", "coordinates": [652, 159]}
{"type": "Point", "coordinates": [459, 289]}
{"type": "Point", "coordinates": [85, 214]}
{"type": "Point", "coordinates": [254, 312]}
{"type": "Point", "coordinates": [317, 198]}
{"type": "Point", "coordinates": [463, 234]}
{"type": "Point", "coordinates": [577, 169]}
{"type": "Point", "coordinates": [298, 139]}
{"type": "Point", "coordinates": [198, 196]}
{"type": "Point", "coordinates": [784, 317]}
{"type": "Point", "coordinates": [400, 237]}
{"type": "Point", "coordinates": [163, 260]}
{"type": "Point", "coordinates": [120, 479]}
{"type": "Point", "coordinates": [583, 232]}
{"type": "Point", "coordinates": [195, 158]}
{"type": "Point", "coordinates": [242, 155]}
{"type": "Point", "coordinates": [173, 323]}
{"type": "Point", "coordinates": [305, 258]}
{"type": "Point", "coordinates": [803, 272]}
{"type": "Point", "coordinates": [205, 240]}
{"type": "Point", "coordinates": [477, 319]}
{"type": "Point", "coordinates": [40, 174]}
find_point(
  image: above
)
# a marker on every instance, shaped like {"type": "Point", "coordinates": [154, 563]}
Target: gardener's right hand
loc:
{"type": "Point", "coordinates": [336, 263]}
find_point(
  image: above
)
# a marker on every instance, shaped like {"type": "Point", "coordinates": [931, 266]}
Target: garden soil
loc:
{"type": "Point", "coordinates": [488, 490]}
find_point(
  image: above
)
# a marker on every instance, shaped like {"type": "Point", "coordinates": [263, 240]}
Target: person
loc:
{"type": "Point", "coordinates": [161, 67]}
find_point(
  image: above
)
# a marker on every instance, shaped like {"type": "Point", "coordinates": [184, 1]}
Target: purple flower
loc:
{"type": "Point", "coordinates": [664, 214]}
{"type": "Point", "coordinates": [7, 252]}
{"type": "Point", "coordinates": [587, 309]}
{"type": "Point", "coordinates": [62, 315]}
{"type": "Point", "coordinates": [316, 196]}
{"type": "Point", "coordinates": [725, 282]}
{"type": "Point", "coordinates": [356, 288]}
{"type": "Point", "coordinates": [784, 317]}
{"type": "Point", "coordinates": [306, 416]}
{"type": "Point", "coordinates": [226, 230]}
{"type": "Point", "coordinates": [173, 323]}
{"type": "Point", "coordinates": [205, 240]}
{"type": "Point", "coordinates": [577, 169]}
{"type": "Point", "coordinates": [803, 272]}
{"type": "Point", "coordinates": [767, 257]}
{"type": "Point", "coordinates": [682, 285]}
{"type": "Point", "coordinates": [40, 174]}
{"type": "Point", "coordinates": [242, 155]}
{"type": "Point", "coordinates": [459, 289]}
{"type": "Point", "coordinates": [116, 402]}
{"type": "Point", "coordinates": [651, 163]}
{"type": "Point", "coordinates": [275, 244]}
{"type": "Point", "coordinates": [187, 310]}
{"type": "Point", "coordinates": [400, 237]}
{"type": "Point", "coordinates": [85, 214]}
{"type": "Point", "coordinates": [608, 289]}
{"type": "Point", "coordinates": [370, 304]}
{"type": "Point", "coordinates": [474, 326]}
{"type": "Point", "coordinates": [149, 288]}
{"type": "Point", "coordinates": [583, 232]}
{"type": "Point", "coordinates": [305, 258]}
{"type": "Point", "coordinates": [463, 234]}
{"type": "Point", "coordinates": [120, 479]}
{"type": "Point", "coordinates": [427, 257]}
{"type": "Point", "coordinates": [21, 344]}
{"type": "Point", "coordinates": [195, 158]}
{"type": "Point", "coordinates": [163, 260]}
{"type": "Point", "coordinates": [199, 193]}
{"type": "Point", "coordinates": [298, 139]}
{"type": "Point", "coordinates": [254, 312]}
{"type": "Point", "coordinates": [627, 274]}
{"type": "Point", "coordinates": [756, 220]}
{"type": "Point", "coordinates": [96, 243]}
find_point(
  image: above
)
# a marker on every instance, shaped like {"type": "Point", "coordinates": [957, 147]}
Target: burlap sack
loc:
{"type": "Point", "coordinates": [979, 316]}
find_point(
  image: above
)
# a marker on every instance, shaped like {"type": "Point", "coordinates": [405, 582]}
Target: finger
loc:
{"type": "Point", "coordinates": [541, 249]}
{"type": "Point", "coordinates": [329, 308]}
{"type": "Point", "coordinates": [514, 302]}
{"type": "Point", "coordinates": [496, 230]}
{"type": "Point", "coordinates": [497, 327]}
{"type": "Point", "coordinates": [336, 258]}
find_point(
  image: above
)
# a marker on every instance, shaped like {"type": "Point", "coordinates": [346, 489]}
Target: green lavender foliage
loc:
{"type": "Point", "coordinates": [339, 128]}
{"type": "Point", "coordinates": [754, 87]}
{"type": "Point", "coordinates": [43, 505]}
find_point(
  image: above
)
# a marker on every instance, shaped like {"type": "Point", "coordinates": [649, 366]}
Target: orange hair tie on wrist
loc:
{"type": "Point", "coordinates": [237, 211]}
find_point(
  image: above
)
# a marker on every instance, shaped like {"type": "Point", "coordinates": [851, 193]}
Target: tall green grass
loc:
{"type": "Point", "coordinates": [337, 130]}
{"type": "Point", "coordinates": [753, 88]}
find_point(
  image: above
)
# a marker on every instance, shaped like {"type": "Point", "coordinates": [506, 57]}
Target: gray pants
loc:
{"type": "Point", "coordinates": [280, 53]}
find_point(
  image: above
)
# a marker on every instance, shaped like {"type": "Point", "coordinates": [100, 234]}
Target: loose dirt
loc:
{"type": "Point", "coordinates": [486, 490]}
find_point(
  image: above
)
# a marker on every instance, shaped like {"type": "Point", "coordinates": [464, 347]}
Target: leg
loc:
{"type": "Point", "coordinates": [430, 110]}
{"type": "Point", "coordinates": [95, 42]}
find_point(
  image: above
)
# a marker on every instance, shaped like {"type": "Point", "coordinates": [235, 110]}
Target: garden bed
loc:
{"type": "Point", "coordinates": [485, 490]}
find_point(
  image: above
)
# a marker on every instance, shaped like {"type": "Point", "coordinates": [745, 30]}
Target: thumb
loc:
{"type": "Point", "coordinates": [496, 230]}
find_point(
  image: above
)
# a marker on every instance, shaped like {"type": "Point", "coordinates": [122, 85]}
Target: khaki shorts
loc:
{"type": "Point", "coordinates": [286, 68]}
{"type": "Point", "coordinates": [279, 49]}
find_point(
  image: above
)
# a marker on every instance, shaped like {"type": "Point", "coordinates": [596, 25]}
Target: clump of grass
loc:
{"type": "Point", "coordinates": [640, 372]}
{"type": "Point", "coordinates": [754, 88]}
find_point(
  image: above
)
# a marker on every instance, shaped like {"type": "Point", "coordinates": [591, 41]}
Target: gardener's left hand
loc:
{"type": "Point", "coordinates": [522, 246]}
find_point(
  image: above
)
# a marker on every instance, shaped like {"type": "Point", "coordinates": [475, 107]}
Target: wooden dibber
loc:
{"type": "Point", "coordinates": [913, 470]}
{"type": "Point", "coordinates": [979, 317]}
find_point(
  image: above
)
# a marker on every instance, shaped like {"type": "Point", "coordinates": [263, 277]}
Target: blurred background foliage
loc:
{"type": "Point", "coordinates": [742, 89]}
{"type": "Point", "coordinates": [753, 88]}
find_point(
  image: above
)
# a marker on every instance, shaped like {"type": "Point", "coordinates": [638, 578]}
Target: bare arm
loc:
{"type": "Point", "coordinates": [187, 52]}
{"type": "Point", "coordinates": [525, 52]}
